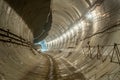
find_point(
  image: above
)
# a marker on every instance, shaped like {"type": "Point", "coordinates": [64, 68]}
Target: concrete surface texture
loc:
{"type": "Point", "coordinates": [82, 37]}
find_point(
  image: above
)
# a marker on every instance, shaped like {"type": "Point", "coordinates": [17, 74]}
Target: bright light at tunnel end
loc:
{"type": "Point", "coordinates": [43, 46]}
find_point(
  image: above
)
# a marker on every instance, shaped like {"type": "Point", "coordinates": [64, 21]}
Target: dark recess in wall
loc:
{"type": "Point", "coordinates": [35, 14]}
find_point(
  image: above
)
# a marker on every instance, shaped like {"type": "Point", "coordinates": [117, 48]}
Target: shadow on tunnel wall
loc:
{"type": "Point", "coordinates": [36, 14]}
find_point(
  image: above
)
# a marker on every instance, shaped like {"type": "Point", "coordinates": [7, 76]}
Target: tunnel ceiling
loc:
{"type": "Point", "coordinates": [35, 14]}
{"type": "Point", "coordinates": [66, 15]}
{"type": "Point", "coordinates": [68, 21]}
{"type": "Point", "coordinates": [80, 20]}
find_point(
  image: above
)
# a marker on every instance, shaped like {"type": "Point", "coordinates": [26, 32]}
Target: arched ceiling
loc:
{"type": "Point", "coordinates": [78, 20]}
{"type": "Point", "coordinates": [66, 15]}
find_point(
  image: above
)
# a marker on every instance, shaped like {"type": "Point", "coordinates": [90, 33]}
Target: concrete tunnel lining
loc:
{"type": "Point", "coordinates": [34, 14]}
{"type": "Point", "coordinates": [78, 30]}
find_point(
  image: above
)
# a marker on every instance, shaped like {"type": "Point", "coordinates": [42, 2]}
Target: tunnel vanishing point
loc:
{"type": "Point", "coordinates": [59, 39]}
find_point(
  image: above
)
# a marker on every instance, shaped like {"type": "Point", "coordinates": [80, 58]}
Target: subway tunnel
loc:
{"type": "Point", "coordinates": [59, 39]}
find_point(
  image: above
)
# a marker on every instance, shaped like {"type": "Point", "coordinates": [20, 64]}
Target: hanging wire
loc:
{"type": "Point", "coordinates": [11, 38]}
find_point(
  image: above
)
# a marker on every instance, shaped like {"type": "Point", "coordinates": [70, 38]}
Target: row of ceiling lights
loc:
{"type": "Point", "coordinates": [72, 31]}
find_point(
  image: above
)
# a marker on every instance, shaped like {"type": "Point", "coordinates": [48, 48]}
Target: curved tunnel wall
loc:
{"type": "Point", "coordinates": [94, 19]}
{"type": "Point", "coordinates": [77, 27]}
{"type": "Point", "coordinates": [36, 14]}
{"type": "Point", "coordinates": [9, 20]}
{"type": "Point", "coordinates": [87, 36]}
{"type": "Point", "coordinates": [17, 57]}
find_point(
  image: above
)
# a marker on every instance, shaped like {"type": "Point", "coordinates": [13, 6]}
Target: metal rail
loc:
{"type": "Point", "coordinates": [96, 52]}
{"type": "Point", "coordinates": [51, 73]}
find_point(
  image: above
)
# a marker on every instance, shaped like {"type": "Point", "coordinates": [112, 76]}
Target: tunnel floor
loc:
{"type": "Point", "coordinates": [53, 69]}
